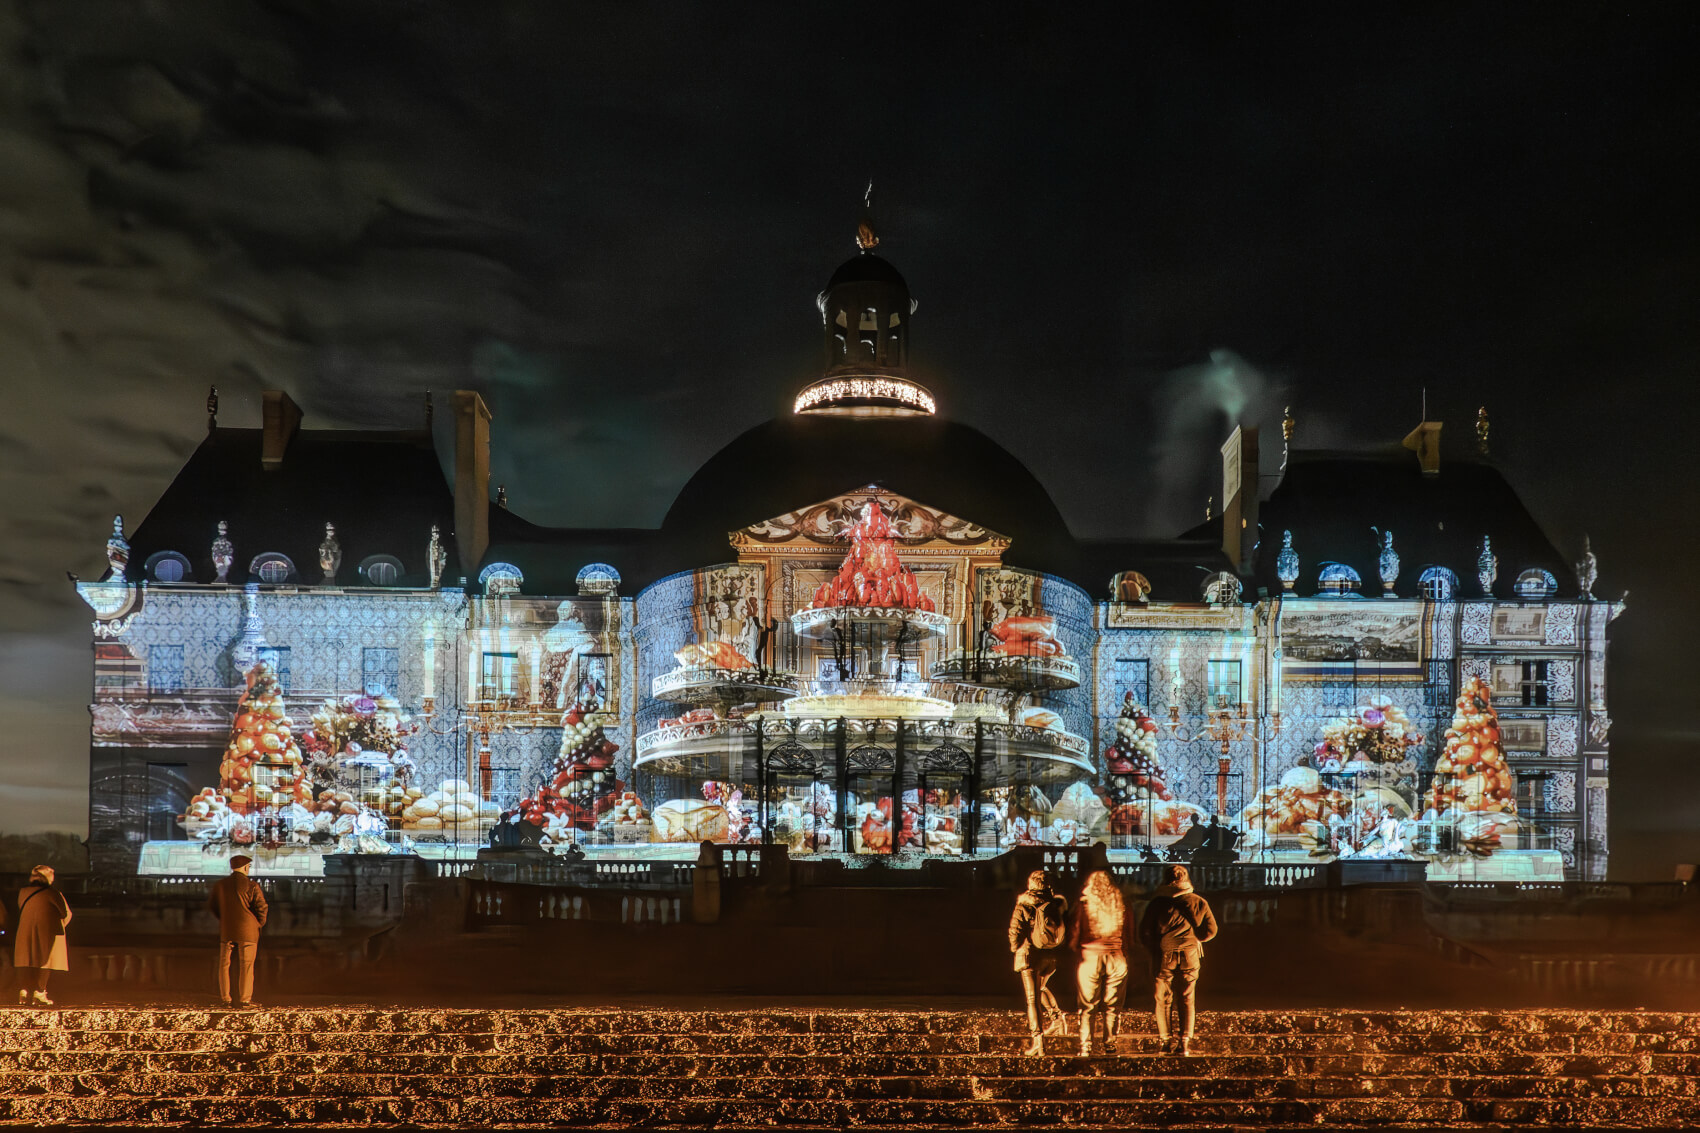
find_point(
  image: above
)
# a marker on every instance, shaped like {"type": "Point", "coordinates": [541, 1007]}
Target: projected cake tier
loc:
{"type": "Point", "coordinates": [700, 685]}
{"type": "Point", "coordinates": [715, 737]}
{"type": "Point", "coordinates": [992, 670]}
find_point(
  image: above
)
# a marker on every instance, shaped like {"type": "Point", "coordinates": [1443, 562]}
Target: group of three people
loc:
{"type": "Point", "coordinates": [1044, 930]}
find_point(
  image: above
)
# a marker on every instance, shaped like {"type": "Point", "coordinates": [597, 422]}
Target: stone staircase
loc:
{"type": "Point", "coordinates": [866, 1068]}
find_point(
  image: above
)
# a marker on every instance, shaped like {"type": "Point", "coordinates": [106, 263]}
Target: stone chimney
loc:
{"type": "Point", "coordinates": [1424, 440]}
{"type": "Point", "coordinates": [472, 479]}
{"type": "Point", "coordinates": [281, 418]}
{"type": "Point", "coordinates": [1239, 495]}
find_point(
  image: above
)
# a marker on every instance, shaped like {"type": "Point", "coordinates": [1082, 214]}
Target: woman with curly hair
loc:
{"type": "Point", "coordinates": [1097, 928]}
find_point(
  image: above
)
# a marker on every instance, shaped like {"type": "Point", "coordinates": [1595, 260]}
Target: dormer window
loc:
{"type": "Point", "coordinates": [598, 580]}
{"type": "Point", "coordinates": [168, 566]}
{"type": "Point", "coordinates": [1438, 584]}
{"type": "Point", "coordinates": [1536, 585]}
{"type": "Point", "coordinates": [381, 570]}
{"type": "Point", "coordinates": [1338, 579]}
{"type": "Point", "coordinates": [272, 567]}
{"type": "Point", "coordinates": [500, 578]}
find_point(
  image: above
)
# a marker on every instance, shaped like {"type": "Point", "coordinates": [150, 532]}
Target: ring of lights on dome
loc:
{"type": "Point", "coordinates": [866, 395]}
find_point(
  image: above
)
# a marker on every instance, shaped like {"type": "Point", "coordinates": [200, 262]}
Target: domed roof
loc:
{"type": "Point", "coordinates": [793, 461]}
{"type": "Point", "coordinates": [866, 268]}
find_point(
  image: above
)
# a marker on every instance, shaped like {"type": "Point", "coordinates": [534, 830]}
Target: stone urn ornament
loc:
{"type": "Point", "coordinates": [1587, 571]}
{"type": "Point", "coordinates": [1487, 567]}
{"type": "Point", "coordinates": [223, 554]}
{"type": "Point", "coordinates": [1287, 562]}
{"type": "Point", "coordinates": [436, 556]}
{"type": "Point", "coordinates": [117, 550]}
{"type": "Point", "coordinates": [330, 555]}
{"type": "Point", "coordinates": [1388, 563]}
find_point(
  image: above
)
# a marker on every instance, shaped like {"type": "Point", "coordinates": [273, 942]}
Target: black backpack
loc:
{"type": "Point", "coordinates": [1048, 929]}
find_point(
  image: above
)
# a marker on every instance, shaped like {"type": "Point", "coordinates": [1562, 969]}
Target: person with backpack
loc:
{"type": "Point", "coordinates": [1038, 929]}
{"type": "Point", "coordinates": [1096, 931]}
{"type": "Point", "coordinates": [1176, 926]}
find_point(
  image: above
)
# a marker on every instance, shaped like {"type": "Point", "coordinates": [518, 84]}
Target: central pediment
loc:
{"type": "Point", "coordinates": [824, 524]}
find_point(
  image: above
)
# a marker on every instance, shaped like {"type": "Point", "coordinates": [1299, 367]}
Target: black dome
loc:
{"type": "Point", "coordinates": [794, 461]}
{"type": "Point", "coordinates": [866, 268]}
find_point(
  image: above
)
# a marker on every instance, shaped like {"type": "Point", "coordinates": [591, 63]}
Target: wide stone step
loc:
{"type": "Point", "coordinates": [1136, 1040]}
{"type": "Point", "coordinates": [769, 1022]}
{"type": "Point", "coordinates": [1104, 1087]}
{"type": "Point", "coordinates": [706, 1111]}
{"type": "Point", "coordinates": [96, 1061]}
{"type": "Point", "coordinates": [734, 1112]}
{"type": "Point", "coordinates": [834, 1069]}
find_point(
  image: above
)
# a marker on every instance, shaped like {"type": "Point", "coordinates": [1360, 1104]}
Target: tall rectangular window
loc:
{"type": "Point", "coordinates": [168, 796]}
{"type": "Point", "coordinates": [1132, 674]}
{"type": "Point", "coordinates": [165, 668]}
{"type": "Point", "coordinates": [501, 674]}
{"type": "Point", "coordinates": [1224, 684]}
{"type": "Point", "coordinates": [504, 787]}
{"type": "Point", "coordinates": [380, 670]}
{"type": "Point", "coordinates": [278, 657]}
{"type": "Point", "coordinates": [1534, 683]}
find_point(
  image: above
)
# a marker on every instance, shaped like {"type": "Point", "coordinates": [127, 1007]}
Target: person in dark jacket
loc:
{"type": "Point", "coordinates": [42, 916]}
{"type": "Point", "coordinates": [1034, 963]}
{"type": "Point", "coordinates": [1174, 930]}
{"type": "Point", "coordinates": [240, 907]}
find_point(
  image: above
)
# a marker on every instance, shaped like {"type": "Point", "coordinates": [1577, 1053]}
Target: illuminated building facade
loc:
{"type": "Point", "coordinates": [317, 641]}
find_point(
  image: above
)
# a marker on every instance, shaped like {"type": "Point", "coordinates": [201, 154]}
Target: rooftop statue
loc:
{"type": "Point", "coordinates": [223, 553]}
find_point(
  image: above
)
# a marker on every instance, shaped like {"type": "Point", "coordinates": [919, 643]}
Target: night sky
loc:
{"type": "Point", "coordinates": [613, 221]}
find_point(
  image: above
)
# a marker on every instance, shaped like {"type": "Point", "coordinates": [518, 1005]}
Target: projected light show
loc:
{"type": "Point", "coordinates": [669, 566]}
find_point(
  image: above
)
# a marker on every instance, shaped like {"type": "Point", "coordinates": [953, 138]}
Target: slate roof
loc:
{"type": "Point", "coordinates": [794, 459]}
{"type": "Point", "coordinates": [1176, 568]}
{"type": "Point", "coordinates": [383, 490]}
{"type": "Point", "coordinates": [1331, 500]}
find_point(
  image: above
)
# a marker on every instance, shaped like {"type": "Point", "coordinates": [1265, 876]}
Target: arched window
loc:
{"type": "Point", "coordinates": [381, 570]}
{"type": "Point", "coordinates": [500, 578]}
{"type": "Point", "coordinates": [1438, 584]}
{"type": "Point", "coordinates": [1338, 578]}
{"type": "Point", "coordinates": [272, 567]}
{"type": "Point", "coordinates": [1535, 585]}
{"type": "Point", "coordinates": [598, 579]}
{"type": "Point", "coordinates": [169, 566]}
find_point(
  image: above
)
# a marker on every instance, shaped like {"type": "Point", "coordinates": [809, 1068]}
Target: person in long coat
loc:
{"type": "Point", "coordinates": [42, 916]}
{"type": "Point", "coordinates": [240, 906]}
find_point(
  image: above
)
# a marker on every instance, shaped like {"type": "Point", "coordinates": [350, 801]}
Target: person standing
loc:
{"type": "Point", "coordinates": [240, 906]}
{"type": "Point", "coordinates": [1096, 929]}
{"type": "Point", "coordinates": [1176, 926]}
{"type": "Point", "coordinates": [43, 914]}
{"type": "Point", "coordinates": [1038, 929]}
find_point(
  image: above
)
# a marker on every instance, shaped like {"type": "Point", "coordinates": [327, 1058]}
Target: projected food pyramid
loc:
{"type": "Point", "coordinates": [872, 576]}
{"type": "Point", "coordinates": [1473, 786]}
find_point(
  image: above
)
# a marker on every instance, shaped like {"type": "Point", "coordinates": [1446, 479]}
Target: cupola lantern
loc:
{"type": "Point", "coordinates": [865, 312]}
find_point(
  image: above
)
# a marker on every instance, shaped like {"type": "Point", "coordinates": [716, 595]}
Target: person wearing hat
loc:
{"type": "Point", "coordinates": [240, 907]}
{"type": "Point", "coordinates": [42, 917]}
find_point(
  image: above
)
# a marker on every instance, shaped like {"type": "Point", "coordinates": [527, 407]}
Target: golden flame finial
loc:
{"type": "Point", "coordinates": [1482, 426]}
{"type": "Point", "coordinates": [866, 238]}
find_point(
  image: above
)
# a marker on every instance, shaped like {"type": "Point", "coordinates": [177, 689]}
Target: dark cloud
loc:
{"type": "Point", "coordinates": [613, 220]}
